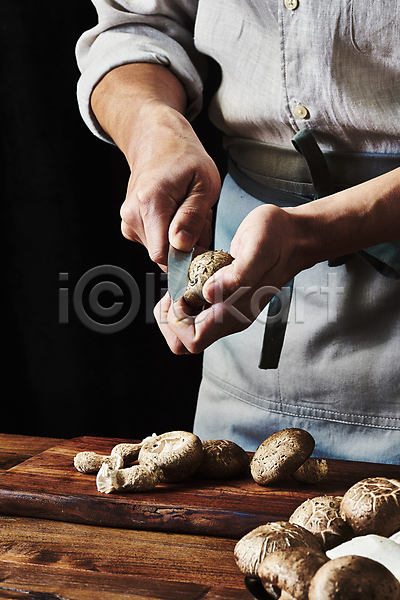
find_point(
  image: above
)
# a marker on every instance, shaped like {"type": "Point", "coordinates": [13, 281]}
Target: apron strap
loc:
{"type": "Point", "coordinates": [305, 143]}
{"type": "Point", "coordinates": [275, 328]}
{"type": "Point", "coordinates": [278, 309]}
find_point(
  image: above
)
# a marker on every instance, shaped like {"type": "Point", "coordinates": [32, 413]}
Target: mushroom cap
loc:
{"type": "Point", "coordinates": [372, 506]}
{"type": "Point", "coordinates": [202, 268]}
{"type": "Point", "coordinates": [280, 455]}
{"type": "Point", "coordinates": [222, 459]}
{"type": "Point", "coordinates": [353, 578]}
{"type": "Point", "coordinates": [177, 453]}
{"type": "Point", "coordinates": [321, 516]}
{"type": "Point", "coordinates": [291, 570]}
{"type": "Point", "coordinates": [377, 547]}
{"type": "Point", "coordinates": [313, 470]}
{"type": "Point", "coordinates": [253, 547]}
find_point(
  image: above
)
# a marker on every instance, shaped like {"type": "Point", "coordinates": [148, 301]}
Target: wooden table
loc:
{"type": "Point", "coordinates": [52, 560]}
{"type": "Point", "coordinates": [59, 552]}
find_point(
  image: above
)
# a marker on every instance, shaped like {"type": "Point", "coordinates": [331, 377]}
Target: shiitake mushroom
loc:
{"type": "Point", "coordinates": [291, 570]}
{"type": "Point", "coordinates": [312, 471]}
{"type": "Point", "coordinates": [177, 453]}
{"type": "Point", "coordinates": [372, 505]}
{"type": "Point", "coordinates": [280, 455]}
{"type": "Point", "coordinates": [222, 459]}
{"type": "Point", "coordinates": [254, 546]}
{"type": "Point", "coordinates": [321, 516]}
{"type": "Point", "coordinates": [202, 268]}
{"type": "Point", "coordinates": [353, 578]}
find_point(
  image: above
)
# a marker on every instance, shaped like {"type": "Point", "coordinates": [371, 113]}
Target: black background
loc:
{"type": "Point", "coordinates": [61, 191]}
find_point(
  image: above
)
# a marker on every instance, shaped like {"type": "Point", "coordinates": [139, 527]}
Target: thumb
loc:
{"type": "Point", "coordinates": [225, 282]}
{"type": "Point", "coordinates": [244, 273]}
{"type": "Point", "coordinates": [255, 253]}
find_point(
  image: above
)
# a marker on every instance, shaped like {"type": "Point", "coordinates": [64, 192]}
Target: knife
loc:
{"type": "Point", "coordinates": [178, 267]}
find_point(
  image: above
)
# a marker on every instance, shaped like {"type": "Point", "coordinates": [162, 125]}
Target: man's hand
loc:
{"type": "Point", "coordinates": [172, 187]}
{"type": "Point", "coordinates": [174, 182]}
{"type": "Point", "coordinates": [264, 249]}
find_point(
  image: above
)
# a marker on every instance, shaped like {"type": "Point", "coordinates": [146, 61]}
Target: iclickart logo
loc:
{"type": "Point", "coordinates": [106, 298]}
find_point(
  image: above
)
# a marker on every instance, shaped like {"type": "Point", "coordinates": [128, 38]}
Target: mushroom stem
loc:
{"type": "Point", "coordinates": [130, 451]}
{"type": "Point", "coordinates": [139, 478]}
{"type": "Point", "coordinates": [91, 462]}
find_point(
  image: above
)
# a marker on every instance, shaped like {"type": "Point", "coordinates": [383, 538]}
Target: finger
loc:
{"type": "Point", "coordinates": [225, 282]}
{"type": "Point", "coordinates": [131, 222]}
{"type": "Point", "coordinates": [202, 330]}
{"type": "Point", "coordinates": [193, 214]}
{"type": "Point", "coordinates": [228, 285]}
{"type": "Point", "coordinates": [146, 214]}
{"type": "Point", "coordinates": [206, 235]}
{"type": "Point", "coordinates": [162, 316]}
{"type": "Point", "coordinates": [156, 212]}
{"type": "Point", "coordinates": [224, 318]}
{"type": "Point", "coordinates": [130, 233]}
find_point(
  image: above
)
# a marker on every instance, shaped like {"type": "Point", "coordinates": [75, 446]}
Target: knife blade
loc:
{"type": "Point", "coordinates": [178, 266]}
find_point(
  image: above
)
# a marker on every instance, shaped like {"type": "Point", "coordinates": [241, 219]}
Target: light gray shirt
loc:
{"type": "Point", "coordinates": [286, 64]}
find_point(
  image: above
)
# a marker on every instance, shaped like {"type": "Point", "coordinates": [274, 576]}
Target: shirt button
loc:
{"type": "Point", "coordinates": [291, 4]}
{"type": "Point", "coordinates": [300, 111]}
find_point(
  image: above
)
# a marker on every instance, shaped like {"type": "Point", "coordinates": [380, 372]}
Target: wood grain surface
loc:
{"type": "Point", "coordinates": [48, 486]}
{"type": "Point", "coordinates": [15, 449]}
{"type": "Point", "coordinates": [85, 562]}
{"type": "Point", "coordinates": [49, 560]}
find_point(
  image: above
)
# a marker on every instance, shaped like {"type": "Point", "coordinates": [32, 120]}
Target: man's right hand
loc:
{"type": "Point", "coordinates": [172, 187]}
{"type": "Point", "coordinates": [174, 182]}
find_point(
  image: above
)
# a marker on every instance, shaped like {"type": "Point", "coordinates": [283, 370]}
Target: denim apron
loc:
{"type": "Point", "coordinates": [338, 373]}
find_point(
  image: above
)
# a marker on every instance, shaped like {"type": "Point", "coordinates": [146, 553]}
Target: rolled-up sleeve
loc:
{"type": "Point", "coordinates": [128, 31]}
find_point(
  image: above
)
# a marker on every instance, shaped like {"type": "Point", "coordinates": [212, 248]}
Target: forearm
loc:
{"type": "Point", "coordinates": [122, 97]}
{"type": "Point", "coordinates": [356, 218]}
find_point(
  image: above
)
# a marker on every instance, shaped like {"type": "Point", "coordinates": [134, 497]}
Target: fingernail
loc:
{"type": "Point", "coordinates": [183, 240]}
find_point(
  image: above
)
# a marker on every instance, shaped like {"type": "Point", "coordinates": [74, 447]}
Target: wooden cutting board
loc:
{"type": "Point", "coordinates": [48, 486]}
